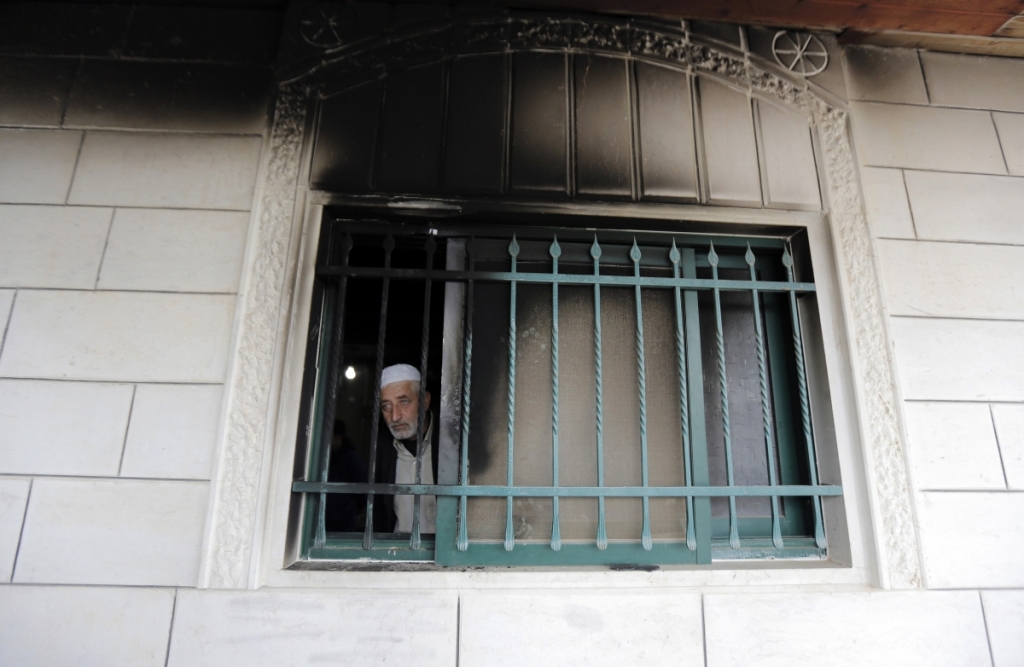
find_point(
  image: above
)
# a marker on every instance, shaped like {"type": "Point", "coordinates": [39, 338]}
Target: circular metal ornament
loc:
{"type": "Point", "coordinates": [800, 52]}
{"type": "Point", "coordinates": [327, 24]}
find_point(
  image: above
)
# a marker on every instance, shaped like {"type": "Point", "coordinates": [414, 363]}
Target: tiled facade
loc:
{"type": "Point", "coordinates": [128, 167]}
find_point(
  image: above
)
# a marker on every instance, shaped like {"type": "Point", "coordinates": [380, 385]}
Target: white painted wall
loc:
{"type": "Point", "coordinates": [120, 255]}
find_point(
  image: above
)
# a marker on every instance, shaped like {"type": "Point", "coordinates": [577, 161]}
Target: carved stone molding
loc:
{"type": "Point", "coordinates": [235, 489]}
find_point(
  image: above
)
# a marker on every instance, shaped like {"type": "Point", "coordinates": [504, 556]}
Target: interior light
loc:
{"type": "Point", "coordinates": [350, 373]}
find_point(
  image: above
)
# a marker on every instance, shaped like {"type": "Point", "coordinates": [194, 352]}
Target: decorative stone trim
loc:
{"type": "Point", "coordinates": [236, 490]}
{"type": "Point", "coordinates": [236, 480]}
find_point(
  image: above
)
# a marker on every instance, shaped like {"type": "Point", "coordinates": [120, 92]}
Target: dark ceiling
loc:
{"type": "Point", "coordinates": [980, 18]}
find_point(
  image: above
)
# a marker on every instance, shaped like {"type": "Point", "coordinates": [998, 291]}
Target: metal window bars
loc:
{"type": "Point", "coordinates": [453, 536]}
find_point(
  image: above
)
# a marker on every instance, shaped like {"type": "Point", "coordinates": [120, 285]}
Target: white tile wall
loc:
{"type": "Point", "coordinates": [120, 532]}
{"type": "Point", "coordinates": [1009, 421]}
{"type": "Point", "coordinates": [51, 246]}
{"type": "Point", "coordinates": [36, 165]}
{"type": "Point", "coordinates": [729, 144]}
{"type": "Point", "coordinates": [1011, 136]}
{"type": "Point", "coordinates": [953, 446]}
{"type": "Point", "coordinates": [972, 540]}
{"type": "Point", "coordinates": [953, 279]}
{"type": "Point", "coordinates": [959, 360]}
{"type": "Point", "coordinates": [548, 628]}
{"type": "Point", "coordinates": [887, 205]}
{"type": "Point", "coordinates": [974, 82]}
{"type": "Point", "coordinates": [173, 431]}
{"type": "Point", "coordinates": [119, 336]}
{"type": "Point", "coordinates": [13, 496]}
{"type": "Point", "coordinates": [892, 135]}
{"type": "Point", "coordinates": [839, 629]}
{"type": "Point", "coordinates": [788, 158]}
{"type": "Point", "coordinates": [884, 75]}
{"type": "Point", "coordinates": [62, 428]}
{"type": "Point", "coordinates": [175, 251]}
{"type": "Point", "coordinates": [1004, 614]}
{"type": "Point", "coordinates": [58, 626]}
{"type": "Point", "coordinates": [293, 627]}
{"type": "Point", "coordinates": [166, 170]}
{"type": "Point", "coordinates": [966, 207]}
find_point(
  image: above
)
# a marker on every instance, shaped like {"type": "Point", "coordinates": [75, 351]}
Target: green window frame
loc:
{"type": "Point", "coordinates": [693, 267]}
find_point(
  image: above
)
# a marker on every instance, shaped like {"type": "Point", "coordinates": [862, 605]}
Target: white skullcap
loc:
{"type": "Point", "coordinates": [399, 373]}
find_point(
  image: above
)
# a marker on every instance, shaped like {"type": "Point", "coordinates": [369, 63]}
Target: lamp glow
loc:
{"type": "Point", "coordinates": [350, 373]}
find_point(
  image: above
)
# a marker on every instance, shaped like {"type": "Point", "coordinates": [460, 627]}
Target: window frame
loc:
{"type": "Point", "coordinates": [560, 559]}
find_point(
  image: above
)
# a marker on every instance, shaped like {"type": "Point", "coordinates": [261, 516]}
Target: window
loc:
{"type": "Point", "coordinates": [599, 396]}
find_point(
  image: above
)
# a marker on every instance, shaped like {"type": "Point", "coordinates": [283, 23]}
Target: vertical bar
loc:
{"type": "Point", "coordinates": [467, 375]}
{"type": "Point", "coordinates": [331, 399]}
{"type": "Point", "coordinates": [805, 409]}
{"type": "Point", "coordinates": [734, 534]}
{"type": "Point", "coordinates": [429, 247]}
{"type": "Point", "coordinates": [449, 437]}
{"type": "Point", "coordinates": [766, 410]}
{"type": "Point", "coordinates": [698, 432]}
{"type": "Point", "coordinates": [510, 538]}
{"type": "Point", "coordinates": [555, 251]}
{"type": "Point", "coordinates": [602, 530]}
{"type": "Point", "coordinates": [389, 245]}
{"type": "Point", "coordinates": [641, 368]}
{"type": "Point", "coordinates": [684, 417]}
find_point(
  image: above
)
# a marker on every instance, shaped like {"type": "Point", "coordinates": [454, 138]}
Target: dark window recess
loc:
{"type": "Point", "coordinates": [610, 399]}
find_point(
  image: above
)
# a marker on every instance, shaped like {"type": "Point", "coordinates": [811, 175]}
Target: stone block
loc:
{"type": "Point", "coordinates": [52, 246]}
{"type": "Point", "coordinates": [1004, 615]}
{"type": "Point", "coordinates": [129, 533]}
{"type": "Point", "coordinates": [62, 428]}
{"type": "Point", "coordinates": [1009, 420]}
{"type": "Point", "coordinates": [967, 207]}
{"type": "Point", "coordinates": [939, 629]}
{"type": "Point", "coordinates": [278, 627]}
{"type": "Point", "coordinates": [953, 446]}
{"type": "Point", "coordinates": [36, 165]}
{"type": "Point", "coordinates": [211, 34]}
{"type": "Point", "coordinates": [166, 170]}
{"type": "Point", "coordinates": [548, 628]}
{"type": "Point", "coordinates": [972, 540]}
{"type": "Point", "coordinates": [13, 496]}
{"type": "Point", "coordinates": [876, 74]}
{"type": "Point", "coordinates": [1010, 127]}
{"type": "Point", "coordinates": [35, 90]}
{"type": "Point", "coordinates": [887, 205]}
{"type": "Point", "coordinates": [144, 337]}
{"type": "Point", "coordinates": [62, 29]}
{"type": "Point", "coordinates": [974, 82]}
{"type": "Point", "coordinates": [891, 135]}
{"type": "Point", "coordinates": [959, 360]}
{"type": "Point", "coordinates": [175, 251]}
{"type": "Point", "coordinates": [75, 625]}
{"type": "Point", "coordinates": [193, 97]}
{"type": "Point", "coordinates": [952, 279]}
{"type": "Point", "coordinates": [173, 431]}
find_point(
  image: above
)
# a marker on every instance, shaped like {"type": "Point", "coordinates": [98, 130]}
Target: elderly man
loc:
{"type": "Point", "coordinates": [396, 450]}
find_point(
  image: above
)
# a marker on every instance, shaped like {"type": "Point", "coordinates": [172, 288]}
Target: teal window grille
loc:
{"type": "Point", "coordinates": [606, 397]}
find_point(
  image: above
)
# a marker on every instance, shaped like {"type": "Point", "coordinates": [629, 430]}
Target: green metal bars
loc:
{"type": "Point", "coordinates": [655, 263]}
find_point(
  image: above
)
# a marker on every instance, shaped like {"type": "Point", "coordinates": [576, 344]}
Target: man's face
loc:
{"type": "Point", "coordinates": [399, 404]}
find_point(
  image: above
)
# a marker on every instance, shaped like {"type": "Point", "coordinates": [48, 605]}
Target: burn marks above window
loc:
{"type": "Point", "coordinates": [563, 124]}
